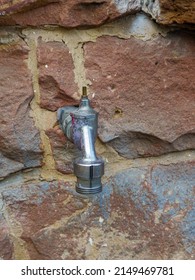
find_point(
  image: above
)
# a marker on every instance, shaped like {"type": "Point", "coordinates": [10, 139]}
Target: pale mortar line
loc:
{"type": "Point", "coordinates": [44, 120]}
{"type": "Point", "coordinates": [37, 112]}
{"type": "Point", "coordinates": [33, 177]}
{"type": "Point", "coordinates": [112, 168]}
{"type": "Point", "coordinates": [75, 39]}
{"type": "Point", "coordinates": [166, 159]}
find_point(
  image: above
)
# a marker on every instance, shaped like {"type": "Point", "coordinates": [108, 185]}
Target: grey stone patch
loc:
{"type": "Point", "coordinates": [124, 6]}
{"type": "Point", "coordinates": [35, 191]}
{"type": "Point", "coordinates": [173, 187]}
{"type": "Point", "coordinates": [8, 166]}
{"type": "Point", "coordinates": [151, 7]}
{"type": "Point", "coordinates": [165, 194]}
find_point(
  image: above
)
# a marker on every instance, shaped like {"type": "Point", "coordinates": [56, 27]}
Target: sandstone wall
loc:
{"type": "Point", "coordinates": [141, 80]}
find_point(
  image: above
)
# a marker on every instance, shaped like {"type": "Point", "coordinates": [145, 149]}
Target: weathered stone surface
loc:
{"type": "Point", "coordinates": [144, 92]}
{"type": "Point", "coordinates": [92, 12]}
{"type": "Point", "coordinates": [6, 246]}
{"type": "Point", "coordinates": [174, 186]}
{"type": "Point", "coordinates": [64, 13]}
{"type": "Point", "coordinates": [63, 150]}
{"type": "Point", "coordinates": [143, 213]}
{"type": "Point", "coordinates": [41, 206]}
{"type": "Point", "coordinates": [19, 139]}
{"type": "Point", "coordinates": [13, 7]}
{"type": "Point", "coordinates": [56, 76]}
{"type": "Point", "coordinates": [170, 11]}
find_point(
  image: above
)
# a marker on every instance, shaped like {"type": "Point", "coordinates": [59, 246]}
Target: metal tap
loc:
{"type": "Point", "coordinates": [80, 126]}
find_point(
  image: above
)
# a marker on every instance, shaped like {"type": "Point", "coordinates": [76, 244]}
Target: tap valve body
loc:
{"type": "Point", "coordinates": [80, 126]}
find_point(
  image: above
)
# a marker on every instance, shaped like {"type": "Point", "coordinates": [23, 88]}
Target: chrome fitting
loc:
{"type": "Point", "coordinates": [80, 126]}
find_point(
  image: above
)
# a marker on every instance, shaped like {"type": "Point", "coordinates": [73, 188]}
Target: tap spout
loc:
{"type": "Point", "coordinates": [89, 169]}
{"type": "Point", "coordinates": [87, 144]}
